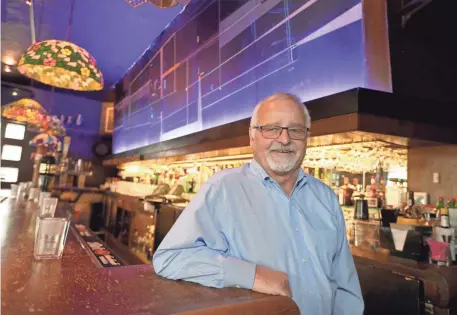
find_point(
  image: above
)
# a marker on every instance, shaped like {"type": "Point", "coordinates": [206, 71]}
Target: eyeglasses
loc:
{"type": "Point", "coordinates": [274, 132]}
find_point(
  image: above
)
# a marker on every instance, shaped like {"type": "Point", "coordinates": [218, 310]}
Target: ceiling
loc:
{"type": "Point", "coordinates": [114, 32]}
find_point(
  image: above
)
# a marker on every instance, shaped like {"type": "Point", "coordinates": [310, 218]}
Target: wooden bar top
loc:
{"type": "Point", "coordinates": [125, 291]}
{"type": "Point", "coordinates": [18, 239]}
{"type": "Point", "coordinates": [74, 286]}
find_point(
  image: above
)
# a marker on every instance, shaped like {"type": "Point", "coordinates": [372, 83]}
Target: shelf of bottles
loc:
{"type": "Point", "coordinates": [367, 168]}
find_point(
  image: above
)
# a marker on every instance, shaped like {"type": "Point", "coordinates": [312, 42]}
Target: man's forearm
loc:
{"type": "Point", "coordinates": [204, 266]}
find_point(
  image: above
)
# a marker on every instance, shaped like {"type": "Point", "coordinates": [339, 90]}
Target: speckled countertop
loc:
{"type": "Point", "coordinates": [74, 284]}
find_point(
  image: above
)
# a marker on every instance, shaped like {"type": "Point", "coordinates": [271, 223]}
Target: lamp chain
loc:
{"type": "Point", "coordinates": [32, 22]}
{"type": "Point", "coordinates": [70, 21]}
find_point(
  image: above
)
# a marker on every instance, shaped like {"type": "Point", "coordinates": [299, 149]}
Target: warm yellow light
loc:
{"type": "Point", "coordinates": [9, 60]}
{"type": "Point", "coordinates": [164, 4]}
{"type": "Point", "coordinates": [7, 68]}
{"type": "Point", "coordinates": [26, 110]}
{"type": "Point", "coordinates": [61, 64]}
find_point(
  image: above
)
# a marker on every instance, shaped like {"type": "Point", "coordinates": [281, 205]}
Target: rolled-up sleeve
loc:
{"type": "Point", "coordinates": [196, 250]}
{"type": "Point", "coordinates": [348, 298]}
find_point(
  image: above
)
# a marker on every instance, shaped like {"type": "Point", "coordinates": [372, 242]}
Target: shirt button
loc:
{"type": "Point", "coordinates": [297, 229]}
{"type": "Point", "coordinates": [310, 291]}
{"type": "Point", "coordinates": [304, 260]}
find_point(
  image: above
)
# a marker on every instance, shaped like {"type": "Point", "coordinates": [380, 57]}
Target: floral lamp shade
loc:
{"type": "Point", "coordinates": [61, 64]}
{"type": "Point", "coordinates": [26, 110]}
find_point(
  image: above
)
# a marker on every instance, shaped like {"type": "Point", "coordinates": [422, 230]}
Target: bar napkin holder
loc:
{"type": "Point", "coordinates": [406, 241]}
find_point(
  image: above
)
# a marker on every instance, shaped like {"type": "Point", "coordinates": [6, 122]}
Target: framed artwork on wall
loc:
{"type": "Point", "coordinates": [421, 198]}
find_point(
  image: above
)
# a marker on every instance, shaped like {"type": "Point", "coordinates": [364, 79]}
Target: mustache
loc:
{"type": "Point", "coordinates": [279, 147]}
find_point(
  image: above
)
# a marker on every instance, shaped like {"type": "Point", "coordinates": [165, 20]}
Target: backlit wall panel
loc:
{"type": "Point", "coordinates": [217, 65]}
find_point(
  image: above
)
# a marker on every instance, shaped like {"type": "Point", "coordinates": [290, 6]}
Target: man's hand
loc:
{"type": "Point", "coordinates": [270, 281]}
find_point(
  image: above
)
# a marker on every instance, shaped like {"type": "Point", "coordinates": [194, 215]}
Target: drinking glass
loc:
{"type": "Point", "coordinates": [48, 206]}
{"type": "Point", "coordinates": [43, 195]}
{"type": "Point", "coordinates": [28, 186]}
{"type": "Point", "coordinates": [13, 192]}
{"type": "Point", "coordinates": [50, 236]}
{"type": "Point", "coordinates": [34, 194]}
{"type": "Point", "coordinates": [21, 191]}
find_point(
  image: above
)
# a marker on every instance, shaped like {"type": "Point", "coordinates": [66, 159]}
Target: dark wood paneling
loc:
{"type": "Point", "coordinates": [406, 128]}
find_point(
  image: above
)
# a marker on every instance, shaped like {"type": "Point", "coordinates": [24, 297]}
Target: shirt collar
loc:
{"type": "Point", "coordinates": [258, 170]}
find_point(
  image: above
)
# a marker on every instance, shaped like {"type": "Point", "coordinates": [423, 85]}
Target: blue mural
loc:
{"type": "Point", "coordinates": [213, 66]}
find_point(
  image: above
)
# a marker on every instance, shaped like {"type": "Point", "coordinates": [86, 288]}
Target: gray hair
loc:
{"type": "Point", "coordinates": [282, 97]}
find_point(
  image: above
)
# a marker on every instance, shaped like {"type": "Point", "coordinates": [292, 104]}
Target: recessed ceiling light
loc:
{"type": "Point", "coordinates": [14, 93]}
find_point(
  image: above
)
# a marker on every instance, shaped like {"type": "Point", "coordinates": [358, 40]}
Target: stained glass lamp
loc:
{"type": "Point", "coordinates": [164, 4]}
{"type": "Point", "coordinates": [61, 64]}
{"type": "Point", "coordinates": [26, 110]}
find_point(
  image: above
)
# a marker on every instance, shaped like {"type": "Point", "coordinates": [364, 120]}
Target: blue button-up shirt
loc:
{"type": "Point", "coordinates": [241, 218]}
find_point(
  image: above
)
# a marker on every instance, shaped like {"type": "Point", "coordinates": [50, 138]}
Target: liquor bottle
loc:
{"type": "Point", "coordinates": [444, 214]}
{"type": "Point", "coordinates": [379, 176]}
{"type": "Point", "coordinates": [410, 198]}
{"type": "Point", "coordinates": [373, 186]}
{"type": "Point", "coordinates": [347, 192]}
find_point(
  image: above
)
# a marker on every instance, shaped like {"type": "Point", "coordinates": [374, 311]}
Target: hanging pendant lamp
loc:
{"type": "Point", "coordinates": [26, 111]}
{"type": "Point", "coordinates": [60, 63]}
{"type": "Point", "coordinates": [163, 4]}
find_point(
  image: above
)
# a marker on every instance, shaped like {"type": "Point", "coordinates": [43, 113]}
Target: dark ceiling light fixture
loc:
{"type": "Point", "coordinates": [136, 3]}
{"type": "Point", "coordinates": [163, 4]}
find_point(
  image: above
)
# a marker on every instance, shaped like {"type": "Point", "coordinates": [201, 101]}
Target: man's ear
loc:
{"type": "Point", "coordinates": [251, 136]}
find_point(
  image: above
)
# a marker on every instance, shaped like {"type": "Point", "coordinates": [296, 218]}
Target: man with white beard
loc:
{"type": "Point", "coordinates": [268, 226]}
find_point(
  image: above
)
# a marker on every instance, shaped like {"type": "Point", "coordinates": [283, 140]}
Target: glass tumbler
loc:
{"type": "Point", "coordinates": [21, 191]}
{"type": "Point", "coordinates": [48, 206]}
{"type": "Point", "coordinates": [50, 236]}
{"type": "Point", "coordinates": [43, 195]}
{"type": "Point", "coordinates": [34, 194]}
{"type": "Point", "coordinates": [13, 192]}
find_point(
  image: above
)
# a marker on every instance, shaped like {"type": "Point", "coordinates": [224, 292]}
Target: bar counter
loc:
{"type": "Point", "coordinates": [77, 284]}
{"type": "Point", "coordinates": [383, 277]}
